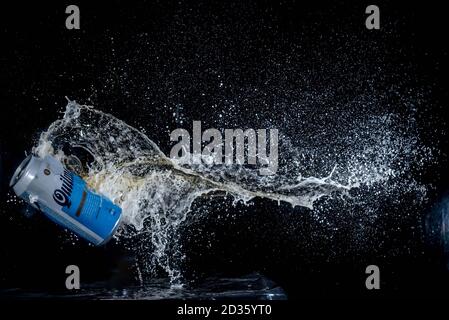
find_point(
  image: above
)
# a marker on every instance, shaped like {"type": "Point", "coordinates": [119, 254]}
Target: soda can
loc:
{"type": "Point", "coordinates": [65, 198]}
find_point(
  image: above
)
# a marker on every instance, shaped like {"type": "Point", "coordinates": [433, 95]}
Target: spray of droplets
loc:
{"type": "Point", "coordinates": [156, 193]}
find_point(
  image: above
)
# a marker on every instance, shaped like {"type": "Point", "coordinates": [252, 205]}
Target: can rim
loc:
{"type": "Point", "coordinates": [18, 173]}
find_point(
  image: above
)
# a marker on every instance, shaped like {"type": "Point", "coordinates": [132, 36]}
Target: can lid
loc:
{"type": "Point", "coordinates": [21, 177]}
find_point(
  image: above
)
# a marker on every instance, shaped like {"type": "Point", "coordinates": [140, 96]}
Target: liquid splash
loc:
{"type": "Point", "coordinates": [156, 193]}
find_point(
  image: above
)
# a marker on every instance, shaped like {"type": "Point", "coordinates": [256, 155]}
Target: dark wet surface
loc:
{"type": "Point", "coordinates": [250, 287]}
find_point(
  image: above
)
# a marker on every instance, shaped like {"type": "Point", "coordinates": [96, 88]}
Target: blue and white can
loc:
{"type": "Point", "coordinates": [66, 199]}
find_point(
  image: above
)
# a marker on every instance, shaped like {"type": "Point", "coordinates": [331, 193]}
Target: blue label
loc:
{"type": "Point", "coordinates": [95, 212]}
{"type": "Point", "coordinates": [62, 196]}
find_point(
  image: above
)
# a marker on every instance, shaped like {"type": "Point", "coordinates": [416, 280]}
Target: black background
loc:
{"type": "Point", "coordinates": [139, 61]}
